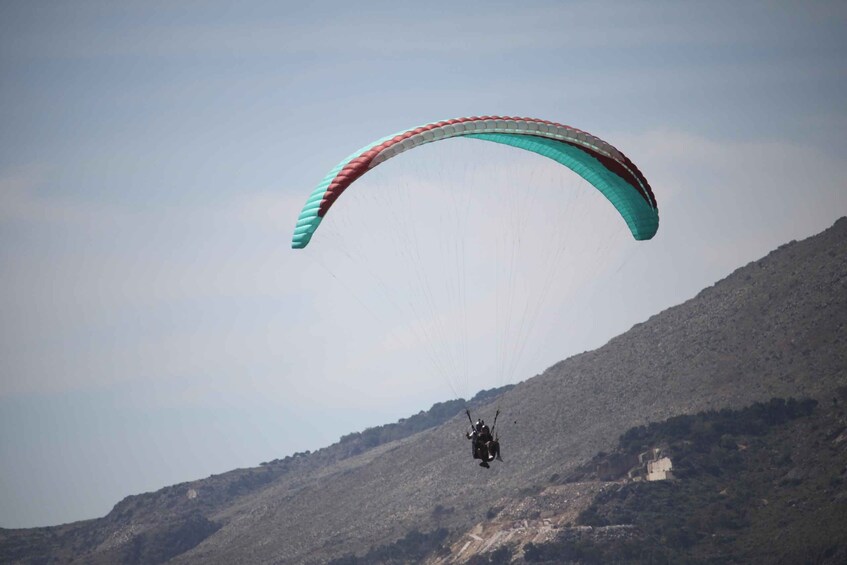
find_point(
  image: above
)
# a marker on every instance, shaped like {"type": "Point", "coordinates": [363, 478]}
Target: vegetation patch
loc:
{"type": "Point", "coordinates": [761, 484]}
{"type": "Point", "coordinates": [412, 548]}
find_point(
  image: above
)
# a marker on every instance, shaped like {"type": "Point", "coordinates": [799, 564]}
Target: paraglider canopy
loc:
{"type": "Point", "coordinates": [598, 162]}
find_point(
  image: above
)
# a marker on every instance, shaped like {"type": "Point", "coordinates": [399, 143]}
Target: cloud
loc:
{"type": "Point", "coordinates": [22, 203]}
{"type": "Point", "coordinates": [94, 293]}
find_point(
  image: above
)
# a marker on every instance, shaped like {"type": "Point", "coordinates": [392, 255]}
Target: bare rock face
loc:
{"type": "Point", "coordinates": [774, 328]}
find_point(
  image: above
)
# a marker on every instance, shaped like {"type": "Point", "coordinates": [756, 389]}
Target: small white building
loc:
{"type": "Point", "coordinates": [660, 469]}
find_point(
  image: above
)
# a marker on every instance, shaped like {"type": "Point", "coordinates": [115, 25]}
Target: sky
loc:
{"type": "Point", "coordinates": [155, 325]}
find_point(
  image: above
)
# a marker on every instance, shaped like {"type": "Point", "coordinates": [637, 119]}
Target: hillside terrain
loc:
{"type": "Point", "coordinates": [774, 328]}
{"type": "Point", "coordinates": [174, 519]}
{"type": "Point", "coordinates": [764, 484]}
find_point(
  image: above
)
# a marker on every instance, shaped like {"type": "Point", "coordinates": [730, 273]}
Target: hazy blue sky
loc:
{"type": "Point", "coordinates": [155, 326]}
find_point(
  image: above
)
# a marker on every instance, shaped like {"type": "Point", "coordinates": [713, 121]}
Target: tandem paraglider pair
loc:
{"type": "Point", "coordinates": [484, 445]}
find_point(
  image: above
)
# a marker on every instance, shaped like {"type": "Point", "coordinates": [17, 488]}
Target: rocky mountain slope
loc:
{"type": "Point", "coordinates": [763, 484]}
{"type": "Point", "coordinates": [774, 328]}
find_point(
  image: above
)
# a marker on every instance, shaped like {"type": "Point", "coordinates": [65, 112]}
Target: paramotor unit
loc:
{"type": "Point", "coordinates": [599, 163]}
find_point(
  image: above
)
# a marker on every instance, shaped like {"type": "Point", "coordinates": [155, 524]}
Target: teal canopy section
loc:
{"type": "Point", "coordinates": [308, 220]}
{"type": "Point", "coordinates": [640, 217]}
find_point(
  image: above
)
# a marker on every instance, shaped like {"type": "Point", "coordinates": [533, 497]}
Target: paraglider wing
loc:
{"type": "Point", "coordinates": [598, 162]}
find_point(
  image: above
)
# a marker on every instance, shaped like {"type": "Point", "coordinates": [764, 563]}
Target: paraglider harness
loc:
{"type": "Point", "coordinates": [485, 445]}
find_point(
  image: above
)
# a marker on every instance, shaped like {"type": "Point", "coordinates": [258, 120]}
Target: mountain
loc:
{"type": "Point", "coordinates": [773, 328]}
